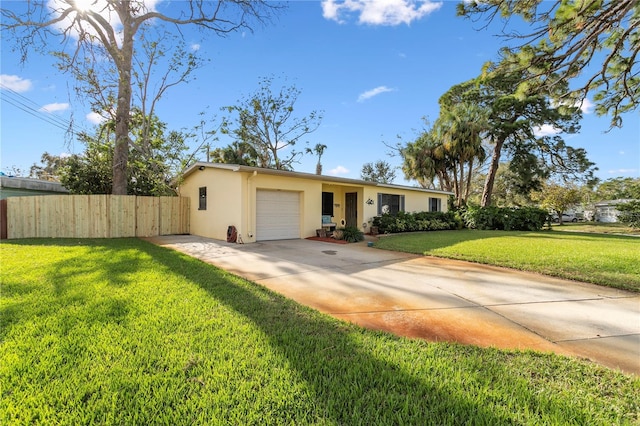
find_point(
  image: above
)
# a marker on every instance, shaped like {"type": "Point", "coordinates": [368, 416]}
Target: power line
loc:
{"type": "Point", "coordinates": [32, 108]}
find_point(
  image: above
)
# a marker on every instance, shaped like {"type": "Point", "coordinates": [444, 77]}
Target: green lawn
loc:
{"type": "Point", "coordinates": [596, 227]}
{"type": "Point", "coordinates": [610, 260]}
{"type": "Point", "coordinates": [125, 332]}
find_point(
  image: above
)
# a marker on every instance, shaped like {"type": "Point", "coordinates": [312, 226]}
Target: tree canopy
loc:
{"type": "Point", "coordinates": [265, 121]}
{"type": "Point", "coordinates": [152, 171]}
{"type": "Point", "coordinates": [115, 31]}
{"type": "Point", "coordinates": [514, 121]}
{"type": "Point", "coordinates": [380, 171]}
{"type": "Point", "coordinates": [592, 42]}
{"type": "Point", "coordinates": [619, 188]}
{"type": "Point", "coordinates": [451, 151]}
{"type": "Point", "coordinates": [558, 198]}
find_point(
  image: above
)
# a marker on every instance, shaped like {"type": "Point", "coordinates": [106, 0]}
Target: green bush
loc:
{"type": "Point", "coordinates": [351, 234]}
{"type": "Point", "coordinates": [504, 218]}
{"type": "Point", "coordinates": [629, 213]}
{"type": "Point", "coordinates": [419, 221]}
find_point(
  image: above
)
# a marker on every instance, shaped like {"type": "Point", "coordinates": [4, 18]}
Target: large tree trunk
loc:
{"type": "Point", "coordinates": [491, 175]}
{"type": "Point", "coordinates": [121, 150]}
{"type": "Point", "coordinates": [123, 110]}
{"type": "Point", "coordinates": [468, 187]}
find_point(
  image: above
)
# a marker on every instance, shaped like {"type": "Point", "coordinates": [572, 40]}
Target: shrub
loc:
{"type": "Point", "coordinates": [504, 218]}
{"type": "Point", "coordinates": [351, 234]}
{"type": "Point", "coordinates": [419, 221]}
{"type": "Point", "coordinates": [629, 213]}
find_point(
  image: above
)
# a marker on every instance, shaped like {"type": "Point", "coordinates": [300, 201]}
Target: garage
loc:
{"type": "Point", "coordinates": [277, 215]}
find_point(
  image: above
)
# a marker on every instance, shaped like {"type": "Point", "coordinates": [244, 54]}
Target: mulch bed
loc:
{"type": "Point", "coordinates": [327, 240]}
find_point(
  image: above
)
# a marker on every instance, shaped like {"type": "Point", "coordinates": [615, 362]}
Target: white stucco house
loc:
{"type": "Point", "coordinates": [267, 204]}
{"type": "Point", "coordinates": [605, 211]}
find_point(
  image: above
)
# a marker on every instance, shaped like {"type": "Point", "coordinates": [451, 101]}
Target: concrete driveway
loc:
{"type": "Point", "coordinates": [438, 299]}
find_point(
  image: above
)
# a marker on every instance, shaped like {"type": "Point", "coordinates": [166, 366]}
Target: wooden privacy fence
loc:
{"type": "Point", "coordinates": [95, 216]}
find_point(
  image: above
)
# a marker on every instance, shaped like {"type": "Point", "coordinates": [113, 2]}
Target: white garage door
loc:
{"type": "Point", "coordinates": [277, 215]}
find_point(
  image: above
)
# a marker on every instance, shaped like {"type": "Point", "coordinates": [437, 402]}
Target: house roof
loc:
{"type": "Point", "coordinates": [31, 184]}
{"type": "Point", "coordinates": [606, 203]}
{"type": "Point", "coordinates": [248, 169]}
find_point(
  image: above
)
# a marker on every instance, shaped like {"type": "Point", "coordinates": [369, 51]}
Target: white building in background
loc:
{"type": "Point", "coordinates": [605, 211]}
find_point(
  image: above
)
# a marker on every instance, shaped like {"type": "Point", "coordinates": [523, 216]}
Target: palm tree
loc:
{"type": "Point", "coordinates": [317, 150]}
{"type": "Point", "coordinates": [459, 129]}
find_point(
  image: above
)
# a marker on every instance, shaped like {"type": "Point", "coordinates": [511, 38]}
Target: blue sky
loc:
{"type": "Point", "coordinates": [374, 69]}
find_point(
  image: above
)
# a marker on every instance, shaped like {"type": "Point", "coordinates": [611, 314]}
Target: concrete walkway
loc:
{"type": "Point", "coordinates": [438, 299]}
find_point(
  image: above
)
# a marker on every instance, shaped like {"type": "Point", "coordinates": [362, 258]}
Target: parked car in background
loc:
{"type": "Point", "coordinates": [566, 217]}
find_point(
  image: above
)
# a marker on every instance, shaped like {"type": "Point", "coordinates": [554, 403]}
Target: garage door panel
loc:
{"type": "Point", "coordinates": [277, 215]}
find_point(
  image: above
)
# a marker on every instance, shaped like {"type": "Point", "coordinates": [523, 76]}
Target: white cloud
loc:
{"type": "Point", "coordinates": [195, 47]}
{"type": "Point", "coordinates": [623, 171]}
{"type": "Point", "coordinates": [95, 118]}
{"type": "Point", "coordinates": [15, 83]}
{"type": "Point", "coordinates": [373, 92]}
{"type": "Point", "coordinates": [587, 106]}
{"type": "Point", "coordinates": [546, 130]}
{"type": "Point", "coordinates": [55, 107]}
{"type": "Point", "coordinates": [379, 12]}
{"type": "Point", "coordinates": [340, 170]}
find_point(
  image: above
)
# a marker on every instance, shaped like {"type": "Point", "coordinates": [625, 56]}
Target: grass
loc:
{"type": "Point", "coordinates": [125, 332]}
{"type": "Point", "coordinates": [597, 227]}
{"type": "Point", "coordinates": [609, 260]}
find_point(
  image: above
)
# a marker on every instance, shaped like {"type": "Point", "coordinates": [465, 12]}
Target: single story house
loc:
{"type": "Point", "coordinates": [19, 187]}
{"type": "Point", "coordinates": [605, 211]}
{"type": "Point", "coordinates": [266, 204]}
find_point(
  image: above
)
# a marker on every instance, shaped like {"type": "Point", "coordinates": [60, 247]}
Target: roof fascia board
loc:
{"type": "Point", "coordinates": [300, 175]}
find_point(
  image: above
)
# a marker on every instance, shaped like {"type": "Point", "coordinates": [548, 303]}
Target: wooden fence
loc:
{"type": "Point", "coordinates": [95, 216]}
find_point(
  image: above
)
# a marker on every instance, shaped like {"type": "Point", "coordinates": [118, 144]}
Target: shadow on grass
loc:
{"type": "Point", "coordinates": [109, 261]}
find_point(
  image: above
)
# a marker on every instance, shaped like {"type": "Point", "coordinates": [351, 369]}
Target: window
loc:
{"type": "Point", "coordinates": [435, 204]}
{"type": "Point", "coordinates": [202, 198]}
{"type": "Point", "coordinates": [390, 203]}
{"type": "Point", "coordinates": [327, 203]}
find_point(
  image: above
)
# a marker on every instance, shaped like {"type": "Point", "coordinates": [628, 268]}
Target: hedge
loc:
{"type": "Point", "coordinates": [505, 218]}
{"type": "Point", "coordinates": [419, 221]}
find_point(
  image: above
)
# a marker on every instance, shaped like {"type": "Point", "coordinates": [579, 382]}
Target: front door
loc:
{"type": "Point", "coordinates": [351, 209]}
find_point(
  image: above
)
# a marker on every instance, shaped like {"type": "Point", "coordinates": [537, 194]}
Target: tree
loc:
{"type": "Point", "coordinates": [424, 160]}
{"type": "Point", "coordinates": [236, 153]}
{"type": "Point", "coordinates": [380, 171]}
{"type": "Point", "coordinates": [153, 171]}
{"type": "Point", "coordinates": [629, 213]}
{"type": "Point", "coordinates": [50, 168]}
{"type": "Point", "coordinates": [509, 190]}
{"type": "Point", "coordinates": [512, 121]}
{"type": "Point", "coordinates": [619, 188]}
{"type": "Point", "coordinates": [460, 127]}
{"type": "Point", "coordinates": [567, 38]}
{"type": "Point", "coordinates": [452, 150]}
{"type": "Point", "coordinates": [558, 198]}
{"type": "Point", "coordinates": [317, 150]}
{"type": "Point", "coordinates": [113, 30]}
{"type": "Point", "coordinates": [265, 121]}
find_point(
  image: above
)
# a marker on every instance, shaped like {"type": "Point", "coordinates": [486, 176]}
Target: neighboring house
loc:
{"type": "Point", "coordinates": [605, 211]}
{"type": "Point", "coordinates": [267, 204]}
{"type": "Point", "coordinates": [20, 187]}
